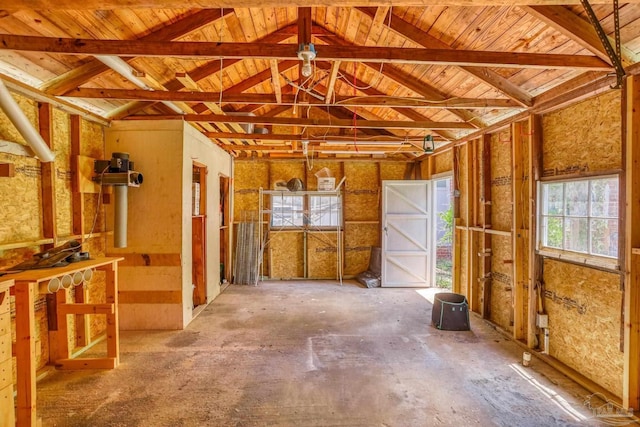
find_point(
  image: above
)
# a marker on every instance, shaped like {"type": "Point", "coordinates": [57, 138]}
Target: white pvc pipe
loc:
{"type": "Point", "coordinates": [121, 67]}
{"type": "Point", "coordinates": [120, 226]}
{"type": "Point", "coordinates": [24, 126]}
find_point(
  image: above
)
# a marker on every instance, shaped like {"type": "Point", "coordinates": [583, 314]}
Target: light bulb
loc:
{"type": "Point", "coordinates": [306, 68]}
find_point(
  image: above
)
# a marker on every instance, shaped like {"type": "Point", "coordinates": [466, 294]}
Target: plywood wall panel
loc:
{"type": "Point", "coordinates": [362, 191]}
{"type": "Point", "coordinates": [501, 282]}
{"type": "Point", "coordinates": [443, 162]}
{"type": "Point", "coordinates": [92, 140]}
{"type": "Point", "coordinates": [584, 137]}
{"type": "Point", "coordinates": [501, 189]}
{"type": "Point", "coordinates": [358, 240]}
{"type": "Point", "coordinates": [321, 255]}
{"type": "Point", "coordinates": [62, 149]}
{"type": "Point", "coordinates": [20, 201]}
{"type": "Point", "coordinates": [249, 177]}
{"type": "Point", "coordinates": [393, 170]}
{"type": "Point", "coordinates": [584, 321]}
{"type": "Point", "coordinates": [287, 252]}
{"type": "Point", "coordinates": [8, 132]}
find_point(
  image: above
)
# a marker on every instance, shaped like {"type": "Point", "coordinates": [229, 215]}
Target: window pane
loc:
{"type": "Point", "coordinates": [552, 232]}
{"type": "Point", "coordinates": [286, 211]}
{"type": "Point", "coordinates": [552, 195]}
{"type": "Point", "coordinates": [576, 198]}
{"type": "Point", "coordinates": [604, 237]}
{"type": "Point", "coordinates": [325, 211]}
{"type": "Point", "coordinates": [576, 236]}
{"type": "Point", "coordinates": [604, 197]}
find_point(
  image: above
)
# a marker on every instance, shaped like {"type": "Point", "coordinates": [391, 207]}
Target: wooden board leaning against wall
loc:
{"type": "Point", "coordinates": [25, 199]}
{"type": "Point", "coordinates": [361, 211]}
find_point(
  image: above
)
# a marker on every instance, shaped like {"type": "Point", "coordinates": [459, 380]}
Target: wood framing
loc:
{"type": "Point", "coordinates": [48, 175]}
{"type": "Point", "coordinates": [535, 260]}
{"type": "Point", "coordinates": [520, 238]}
{"type": "Point", "coordinates": [631, 386]}
{"type": "Point", "coordinates": [485, 252]}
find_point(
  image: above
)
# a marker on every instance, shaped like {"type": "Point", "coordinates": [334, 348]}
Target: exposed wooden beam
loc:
{"type": "Point", "coordinates": [144, 48]}
{"type": "Point", "coordinates": [333, 76]}
{"type": "Point", "coordinates": [422, 38]}
{"type": "Point", "coordinates": [259, 137]}
{"type": "Point", "coordinates": [261, 77]}
{"type": "Point", "coordinates": [275, 80]}
{"type": "Point", "coordinates": [351, 148]}
{"type": "Point", "coordinates": [575, 28]}
{"type": "Point", "coordinates": [288, 121]}
{"type": "Point", "coordinates": [74, 78]}
{"type": "Point", "coordinates": [304, 25]}
{"type": "Point", "coordinates": [208, 4]}
{"type": "Point", "coordinates": [375, 98]}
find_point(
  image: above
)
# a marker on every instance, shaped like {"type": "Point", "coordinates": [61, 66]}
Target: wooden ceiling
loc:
{"type": "Point", "coordinates": [384, 77]}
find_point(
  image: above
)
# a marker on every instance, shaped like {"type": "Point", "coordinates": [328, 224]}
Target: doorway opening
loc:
{"type": "Point", "coordinates": [443, 235]}
{"type": "Point", "coordinates": [199, 234]}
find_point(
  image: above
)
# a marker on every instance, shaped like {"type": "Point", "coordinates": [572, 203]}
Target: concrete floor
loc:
{"type": "Point", "coordinates": [315, 354]}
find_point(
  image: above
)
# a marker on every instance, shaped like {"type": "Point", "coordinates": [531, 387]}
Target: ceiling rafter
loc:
{"type": "Point", "coordinates": [490, 77]}
{"type": "Point", "coordinates": [143, 48]}
{"type": "Point", "coordinates": [78, 76]}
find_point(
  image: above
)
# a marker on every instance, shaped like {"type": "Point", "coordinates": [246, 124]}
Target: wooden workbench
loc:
{"type": "Point", "coordinates": [28, 285]}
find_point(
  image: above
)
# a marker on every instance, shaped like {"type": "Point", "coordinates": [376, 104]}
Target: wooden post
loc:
{"type": "Point", "coordinates": [111, 291]}
{"type": "Point", "coordinates": [631, 377]}
{"type": "Point", "coordinates": [59, 339]}
{"type": "Point", "coordinates": [535, 261]}
{"type": "Point", "coordinates": [45, 118]}
{"type": "Point", "coordinates": [83, 330]}
{"type": "Point", "coordinates": [473, 235]}
{"type": "Point", "coordinates": [457, 234]}
{"type": "Point", "coordinates": [519, 234]}
{"type": "Point", "coordinates": [26, 354]}
{"type": "Point", "coordinates": [468, 206]}
{"type": "Point", "coordinates": [485, 253]}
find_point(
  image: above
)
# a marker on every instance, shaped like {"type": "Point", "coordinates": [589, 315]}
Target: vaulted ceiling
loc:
{"type": "Point", "coordinates": [384, 77]}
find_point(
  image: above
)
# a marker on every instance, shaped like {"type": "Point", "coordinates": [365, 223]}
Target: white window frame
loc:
{"type": "Point", "coordinates": [588, 258]}
{"type": "Point", "coordinates": [306, 216]}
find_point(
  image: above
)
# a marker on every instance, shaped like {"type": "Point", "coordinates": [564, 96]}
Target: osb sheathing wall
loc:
{"type": "Point", "coordinates": [361, 208]}
{"type": "Point", "coordinates": [21, 210]}
{"type": "Point", "coordinates": [501, 218]}
{"type": "Point", "coordinates": [585, 335]}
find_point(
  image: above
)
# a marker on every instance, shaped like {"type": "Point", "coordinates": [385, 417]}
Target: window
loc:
{"type": "Point", "coordinates": [325, 211]}
{"type": "Point", "coordinates": [289, 211]}
{"type": "Point", "coordinates": [580, 216]}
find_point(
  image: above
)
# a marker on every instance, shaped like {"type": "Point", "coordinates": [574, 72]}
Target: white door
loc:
{"type": "Point", "coordinates": [405, 234]}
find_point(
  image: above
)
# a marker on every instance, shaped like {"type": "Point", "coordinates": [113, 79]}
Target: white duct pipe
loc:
{"type": "Point", "coordinates": [26, 129]}
{"type": "Point", "coordinates": [123, 68]}
{"type": "Point", "coordinates": [120, 226]}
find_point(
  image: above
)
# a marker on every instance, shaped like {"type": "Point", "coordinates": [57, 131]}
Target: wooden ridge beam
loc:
{"type": "Point", "coordinates": [374, 54]}
{"type": "Point", "coordinates": [347, 149]}
{"type": "Point", "coordinates": [184, 4]}
{"type": "Point", "coordinates": [292, 121]}
{"type": "Point", "coordinates": [420, 37]}
{"type": "Point", "coordinates": [312, 140]}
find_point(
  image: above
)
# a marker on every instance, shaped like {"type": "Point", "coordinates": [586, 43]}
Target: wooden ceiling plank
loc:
{"type": "Point", "coordinates": [280, 51]}
{"type": "Point", "coordinates": [275, 80]}
{"type": "Point", "coordinates": [78, 76]}
{"type": "Point", "coordinates": [288, 121]}
{"type": "Point", "coordinates": [490, 77]}
{"type": "Point", "coordinates": [571, 26]}
{"type": "Point", "coordinates": [260, 77]}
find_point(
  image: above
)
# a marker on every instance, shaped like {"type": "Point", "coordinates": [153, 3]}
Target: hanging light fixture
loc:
{"type": "Point", "coordinates": [306, 53]}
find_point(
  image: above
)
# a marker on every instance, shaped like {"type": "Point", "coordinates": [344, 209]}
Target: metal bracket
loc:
{"type": "Point", "coordinates": [614, 56]}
